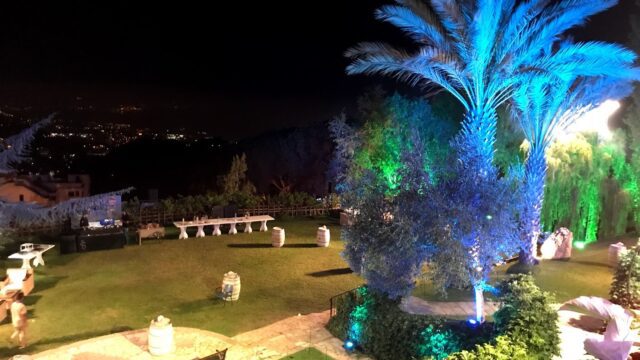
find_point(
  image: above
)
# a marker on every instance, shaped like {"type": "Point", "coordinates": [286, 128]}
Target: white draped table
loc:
{"type": "Point", "coordinates": [200, 224]}
{"type": "Point", "coordinates": [34, 253]}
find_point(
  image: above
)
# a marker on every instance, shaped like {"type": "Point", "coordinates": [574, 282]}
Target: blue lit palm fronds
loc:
{"type": "Point", "coordinates": [580, 78]}
{"type": "Point", "coordinates": [479, 51]}
{"type": "Point", "coordinates": [19, 145]}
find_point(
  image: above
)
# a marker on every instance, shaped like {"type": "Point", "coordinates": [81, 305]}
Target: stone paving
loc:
{"type": "Point", "coordinates": [414, 305]}
{"type": "Point", "coordinates": [291, 335]}
{"type": "Point", "coordinates": [272, 342]}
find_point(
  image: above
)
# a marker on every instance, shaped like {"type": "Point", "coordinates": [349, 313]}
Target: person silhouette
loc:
{"type": "Point", "coordinates": [19, 320]}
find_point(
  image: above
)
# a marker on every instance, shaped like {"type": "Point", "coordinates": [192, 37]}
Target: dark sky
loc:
{"type": "Point", "coordinates": [238, 68]}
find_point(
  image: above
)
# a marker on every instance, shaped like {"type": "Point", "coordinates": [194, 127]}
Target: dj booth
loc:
{"type": "Point", "coordinates": [92, 240]}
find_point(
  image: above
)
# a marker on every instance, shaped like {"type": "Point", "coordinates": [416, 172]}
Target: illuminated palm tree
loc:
{"type": "Point", "coordinates": [477, 50]}
{"type": "Point", "coordinates": [481, 52]}
{"type": "Point", "coordinates": [547, 105]}
{"type": "Point", "coordinates": [18, 146]}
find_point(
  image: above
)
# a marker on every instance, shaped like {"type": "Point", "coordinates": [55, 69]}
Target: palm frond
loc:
{"type": "Point", "coordinates": [553, 21]}
{"type": "Point", "coordinates": [365, 49]}
{"type": "Point", "coordinates": [413, 25]}
{"type": "Point", "coordinates": [19, 144]}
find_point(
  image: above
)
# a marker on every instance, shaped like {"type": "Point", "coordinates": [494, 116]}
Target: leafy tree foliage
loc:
{"type": "Point", "coordinates": [502, 348]}
{"type": "Point", "coordinates": [527, 318]}
{"type": "Point", "coordinates": [461, 224]}
{"type": "Point", "coordinates": [235, 184]}
{"type": "Point", "coordinates": [590, 187]}
{"type": "Point", "coordinates": [542, 116]}
{"type": "Point", "coordinates": [625, 288]}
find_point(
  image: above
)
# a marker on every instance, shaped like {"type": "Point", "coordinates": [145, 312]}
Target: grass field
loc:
{"type": "Point", "coordinates": [587, 273]}
{"type": "Point", "coordinates": [308, 354]}
{"type": "Point", "coordinates": [79, 296]}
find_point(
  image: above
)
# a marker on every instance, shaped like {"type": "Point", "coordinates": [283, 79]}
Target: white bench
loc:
{"type": "Point", "coordinates": [200, 224]}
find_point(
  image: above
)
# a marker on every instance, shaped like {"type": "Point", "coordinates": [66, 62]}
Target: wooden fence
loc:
{"type": "Point", "coordinates": [37, 229]}
{"type": "Point", "coordinates": [159, 215]}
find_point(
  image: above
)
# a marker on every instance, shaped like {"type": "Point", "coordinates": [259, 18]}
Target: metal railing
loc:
{"type": "Point", "coordinates": [333, 301]}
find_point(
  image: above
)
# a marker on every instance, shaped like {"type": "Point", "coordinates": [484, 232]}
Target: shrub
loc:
{"type": "Point", "coordinates": [383, 331]}
{"type": "Point", "coordinates": [625, 289]}
{"type": "Point", "coordinates": [502, 348]}
{"type": "Point", "coordinates": [526, 317]}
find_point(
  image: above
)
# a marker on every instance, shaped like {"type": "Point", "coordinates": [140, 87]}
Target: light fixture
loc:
{"type": "Point", "coordinates": [349, 345]}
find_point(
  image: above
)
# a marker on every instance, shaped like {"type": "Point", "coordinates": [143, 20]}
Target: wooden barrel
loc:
{"type": "Point", "coordinates": [323, 236]}
{"type": "Point", "coordinates": [277, 237]}
{"type": "Point", "coordinates": [160, 336]}
{"type": "Point", "coordinates": [231, 281]}
{"type": "Point", "coordinates": [614, 253]}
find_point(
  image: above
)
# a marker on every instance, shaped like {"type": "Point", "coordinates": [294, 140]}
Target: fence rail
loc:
{"type": "Point", "coordinates": [159, 215]}
{"type": "Point", "coordinates": [36, 229]}
{"type": "Point", "coordinates": [333, 301]}
{"type": "Point", "coordinates": [290, 211]}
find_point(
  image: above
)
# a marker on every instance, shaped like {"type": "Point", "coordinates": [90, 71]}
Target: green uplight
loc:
{"type": "Point", "coordinates": [579, 245]}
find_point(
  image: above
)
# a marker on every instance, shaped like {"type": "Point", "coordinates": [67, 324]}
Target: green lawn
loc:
{"type": "Point", "coordinates": [79, 296]}
{"type": "Point", "coordinates": [587, 273]}
{"type": "Point", "coordinates": [308, 354]}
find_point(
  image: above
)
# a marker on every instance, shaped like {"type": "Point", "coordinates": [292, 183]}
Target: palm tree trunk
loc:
{"type": "Point", "coordinates": [479, 303]}
{"type": "Point", "coordinates": [535, 173]}
{"type": "Point", "coordinates": [475, 142]}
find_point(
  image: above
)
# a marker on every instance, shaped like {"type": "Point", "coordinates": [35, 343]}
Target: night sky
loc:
{"type": "Point", "coordinates": [234, 69]}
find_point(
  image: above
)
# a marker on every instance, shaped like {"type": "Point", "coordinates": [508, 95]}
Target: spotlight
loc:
{"type": "Point", "coordinates": [349, 345]}
{"type": "Point", "coordinates": [472, 322]}
{"type": "Point", "coordinates": [579, 245]}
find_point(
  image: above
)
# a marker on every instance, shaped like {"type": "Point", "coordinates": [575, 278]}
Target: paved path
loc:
{"type": "Point", "coordinates": [414, 305]}
{"type": "Point", "coordinates": [291, 335]}
{"type": "Point", "coordinates": [271, 342]}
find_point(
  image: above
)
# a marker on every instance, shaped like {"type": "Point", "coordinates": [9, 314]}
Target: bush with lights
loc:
{"type": "Point", "coordinates": [523, 327]}
{"type": "Point", "coordinates": [625, 289]}
{"type": "Point", "coordinates": [373, 323]}
{"type": "Point", "coordinates": [526, 317]}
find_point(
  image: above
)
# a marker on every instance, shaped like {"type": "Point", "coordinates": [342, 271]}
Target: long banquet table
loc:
{"type": "Point", "coordinates": [247, 220]}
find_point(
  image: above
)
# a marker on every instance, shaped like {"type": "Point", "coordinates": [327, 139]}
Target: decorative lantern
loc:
{"type": "Point", "coordinates": [231, 284]}
{"type": "Point", "coordinates": [160, 336]}
{"type": "Point", "coordinates": [277, 237]}
{"type": "Point", "coordinates": [323, 236]}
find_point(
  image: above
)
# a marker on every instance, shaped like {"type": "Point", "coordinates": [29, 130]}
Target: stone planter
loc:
{"type": "Point", "coordinates": [277, 237]}
{"type": "Point", "coordinates": [160, 336]}
{"type": "Point", "coordinates": [323, 236]}
{"type": "Point", "coordinates": [232, 280]}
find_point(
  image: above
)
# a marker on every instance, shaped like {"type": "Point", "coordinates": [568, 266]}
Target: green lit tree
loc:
{"type": "Point", "coordinates": [542, 116]}
{"type": "Point", "coordinates": [481, 52]}
{"type": "Point", "coordinates": [631, 121]}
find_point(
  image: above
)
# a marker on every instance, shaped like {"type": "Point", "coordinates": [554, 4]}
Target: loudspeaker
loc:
{"type": "Point", "coordinates": [100, 240]}
{"type": "Point", "coordinates": [68, 244]}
